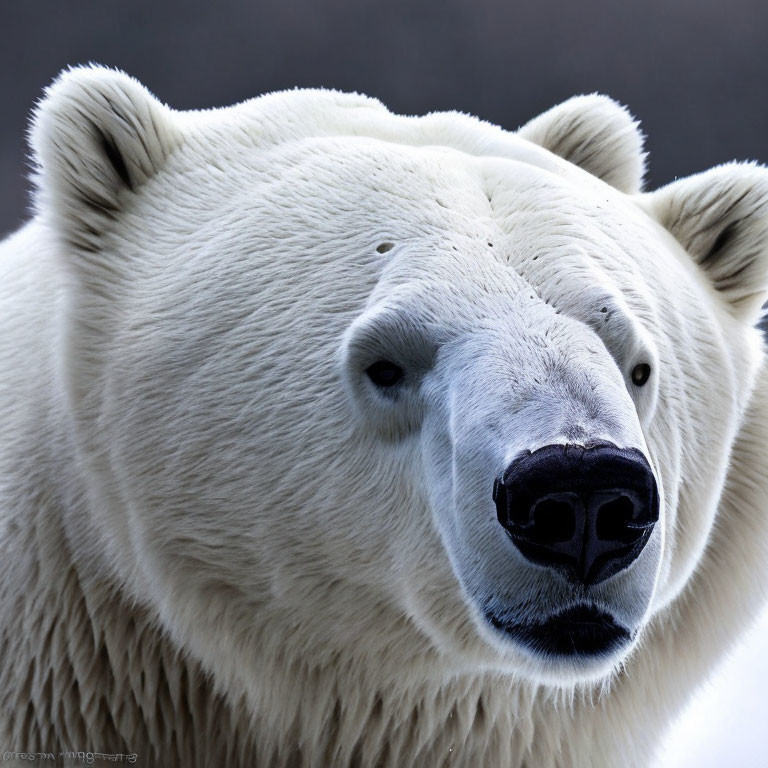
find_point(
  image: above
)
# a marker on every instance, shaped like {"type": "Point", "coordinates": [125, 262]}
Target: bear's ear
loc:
{"type": "Point", "coordinates": [721, 218]}
{"type": "Point", "coordinates": [595, 133]}
{"type": "Point", "coordinates": [96, 136]}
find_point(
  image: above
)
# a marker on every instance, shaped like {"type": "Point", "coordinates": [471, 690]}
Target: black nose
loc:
{"type": "Point", "coordinates": [587, 511]}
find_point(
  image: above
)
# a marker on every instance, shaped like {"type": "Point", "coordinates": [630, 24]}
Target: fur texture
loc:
{"type": "Point", "coordinates": [220, 543]}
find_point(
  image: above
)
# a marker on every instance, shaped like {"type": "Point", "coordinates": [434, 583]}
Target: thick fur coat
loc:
{"type": "Point", "coordinates": [222, 543]}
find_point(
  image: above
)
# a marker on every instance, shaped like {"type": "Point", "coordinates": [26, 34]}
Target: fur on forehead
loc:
{"type": "Point", "coordinates": [98, 135]}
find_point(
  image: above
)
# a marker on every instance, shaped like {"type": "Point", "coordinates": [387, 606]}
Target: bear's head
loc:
{"type": "Point", "coordinates": [351, 387]}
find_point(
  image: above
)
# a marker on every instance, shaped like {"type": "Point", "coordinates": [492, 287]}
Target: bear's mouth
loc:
{"type": "Point", "coordinates": [582, 630]}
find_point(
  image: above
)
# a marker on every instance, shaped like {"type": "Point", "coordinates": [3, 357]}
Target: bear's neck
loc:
{"type": "Point", "coordinates": [91, 672]}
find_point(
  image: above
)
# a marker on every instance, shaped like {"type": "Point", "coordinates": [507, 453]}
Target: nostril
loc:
{"type": "Point", "coordinates": [554, 521]}
{"type": "Point", "coordinates": [613, 520]}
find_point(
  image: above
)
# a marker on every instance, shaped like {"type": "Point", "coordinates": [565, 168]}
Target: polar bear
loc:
{"type": "Point", "coordinates": [332, 437]}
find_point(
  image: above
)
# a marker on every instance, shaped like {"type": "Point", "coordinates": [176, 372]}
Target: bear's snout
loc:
{"type": "Point", "coordinates": [586, 511]}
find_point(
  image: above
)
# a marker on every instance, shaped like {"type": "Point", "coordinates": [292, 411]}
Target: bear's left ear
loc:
{"type": "Point", "coordinates": [97, 135]}
{"type": "Point", "coordinates": [721, 218]}
{"type": "Point", "coordinates": [597, 134]}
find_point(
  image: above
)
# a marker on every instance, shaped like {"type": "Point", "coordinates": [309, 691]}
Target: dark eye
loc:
{"type": "Point", "coordinates": [384, 374]}
{"type": "Point", "coordinates": [640, 374]}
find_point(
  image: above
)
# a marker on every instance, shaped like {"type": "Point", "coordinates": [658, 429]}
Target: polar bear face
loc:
{"type": "Point", "coordinates": [406, 388]}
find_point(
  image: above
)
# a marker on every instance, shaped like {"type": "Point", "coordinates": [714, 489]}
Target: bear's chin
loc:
{"type": "Point", "coordinates": [579, 644]}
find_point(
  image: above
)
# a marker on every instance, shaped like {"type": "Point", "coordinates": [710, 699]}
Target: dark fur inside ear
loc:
{"type": "Point", "coordinates": [721, 218]}
{"type": "Point", "coordinates": [96, 136]}
{"type": "Point", "coordinates": [595, 133]}
{"type": "Point", "coordinates": [112, 151]}
{"type": "Point", "coordinates": [720, 246]}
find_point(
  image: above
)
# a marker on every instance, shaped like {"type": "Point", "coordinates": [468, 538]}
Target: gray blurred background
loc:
{"type": "Point", "coordinates": [693, 71]}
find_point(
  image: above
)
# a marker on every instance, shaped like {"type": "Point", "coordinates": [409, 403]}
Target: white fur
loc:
{"type": "Point", "coordinates": [221, 546]}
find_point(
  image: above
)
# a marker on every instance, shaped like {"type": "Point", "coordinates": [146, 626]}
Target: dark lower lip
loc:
{"type": "Point", "coordinates": [581, 631]}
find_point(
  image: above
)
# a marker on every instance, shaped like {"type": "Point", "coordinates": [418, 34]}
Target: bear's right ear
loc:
{"type": "Point", "coordinates": [96, 136]}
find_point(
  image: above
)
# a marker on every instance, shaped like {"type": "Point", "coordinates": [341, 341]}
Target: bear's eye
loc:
{"type": "Point", "coordinates": [384, 373]}
{"type": "Point", "coordinates": [640, 374]}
